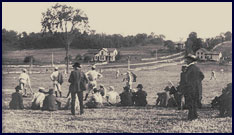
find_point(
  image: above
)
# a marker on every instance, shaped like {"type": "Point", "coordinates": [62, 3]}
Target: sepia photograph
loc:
{"type": "Point", "coordinates": [116, 67]}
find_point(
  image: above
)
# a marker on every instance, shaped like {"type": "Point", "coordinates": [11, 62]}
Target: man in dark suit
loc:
{"type": "Point", "coordinates": [126, 97]}
{"type": "Point", "coordinates": [193, 80]}
{"type": "Point", "coordinates": [51, 103]}
{"type": "Point", "coordinates": [76, 78]}
{"type": "Point", "coordinates": [17, 99]}
{"type": "Point", "coordinates": [141, 96]}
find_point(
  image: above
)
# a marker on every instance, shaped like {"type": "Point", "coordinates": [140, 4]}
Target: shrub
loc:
{"type": "Point", "coordinates": [118, 56]}
{"type": "Point", "coordinates": [87, 58]}
{"type": "Point", "coordinates": [28, 59]}
{"type": "Point", "coordinates": [78, 57]}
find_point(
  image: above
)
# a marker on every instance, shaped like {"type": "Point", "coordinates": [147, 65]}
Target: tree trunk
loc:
{"type": "Point", "coordinates": [67, 60]}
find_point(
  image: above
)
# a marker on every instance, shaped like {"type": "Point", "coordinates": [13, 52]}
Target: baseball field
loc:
{"type": "Point", "coordinates": [113, 119]}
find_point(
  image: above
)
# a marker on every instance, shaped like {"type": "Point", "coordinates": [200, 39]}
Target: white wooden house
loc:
{"type": "Point", "coordinates": [104, 54]}
{"type": "Point", "coordinates": [204, 54]}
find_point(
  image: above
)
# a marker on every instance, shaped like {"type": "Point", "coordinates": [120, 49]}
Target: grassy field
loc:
{"type": "Point", "coordinates": [122, 119]}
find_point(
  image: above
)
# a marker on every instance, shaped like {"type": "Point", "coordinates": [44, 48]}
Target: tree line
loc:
{"type": "Point", "coordinates": [13, 39]}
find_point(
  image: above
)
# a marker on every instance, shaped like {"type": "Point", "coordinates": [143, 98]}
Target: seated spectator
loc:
{"type": "Point", "coordinates": [126, 97]}
{"type": "Point", "coordinates": [68, 104]}
{"type": "Point", "coordinates": [112, 96]}
{"type": "Point", "coordinates": [133, 91]}
{"type": "Point", "coordinates": [38, 98]}
{"type": "Point", "coordinates": [50, 102]}
{"type": "Point", "coordinates": [95, 100]}
{"type": "Point", "coordinates": [17, 99]}
{"type": "Point", "coordinates": [163, 97]}
{"type": "Point", "coordinates": [140, 96]}
{"type": "Point", "coordinates": [102, 90]}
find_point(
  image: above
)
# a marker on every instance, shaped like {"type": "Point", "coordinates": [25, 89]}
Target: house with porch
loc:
{"type": "Point", "coordinates": [104, 55]}
{"type": "Point", "coordinates": [204, 54]}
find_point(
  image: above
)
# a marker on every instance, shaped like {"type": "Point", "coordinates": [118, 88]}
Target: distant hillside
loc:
{"type": "Point", "coordinates": [225, 48]}
{"type": "Point", "coordinates": [43, 56]}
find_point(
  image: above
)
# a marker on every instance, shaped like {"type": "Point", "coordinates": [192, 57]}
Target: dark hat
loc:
{"type": "Point", "coordinates": [76, 65]}
{"type": "Point", "coordinates": [126, 88]}
{"type": "Point", "coordinates": [95, 90]}
{"type": "Point", "coordinates": [191, 56]}
{"type": "Point", "coordinates": [139, 86]}
{"type": "Point", "coordinates": [167, 88]}
{"type": "Point", "coordinates": [42, 90]}
{"type": "Point", "coordinates": [51, 91]}
{"type": "Point", "coordinates": [17, 88]}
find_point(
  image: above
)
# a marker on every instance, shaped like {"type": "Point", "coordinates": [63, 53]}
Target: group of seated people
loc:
{"type": "Point", "coordinates": [127, 98]}
{"type": "Point", "coordinates": [41, 100]}
{"type": "Point", "coordinates": [100, 97]}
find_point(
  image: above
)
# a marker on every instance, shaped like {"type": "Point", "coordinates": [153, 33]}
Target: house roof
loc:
{"type": "Point", "coordinates": [214, 53]}
{"type": "Point", "coordinates": [203, 49]}
{"type": "Point", "coordinates": [111, 49]}
{"type": "Point", "coordinates": [208, 52]}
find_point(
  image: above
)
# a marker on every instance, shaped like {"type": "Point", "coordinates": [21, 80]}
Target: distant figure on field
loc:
{"type": "Point", "coordinates": [112, 96]}
{"type": "Point", "coordinates": [130, 78]}
{"type": "Point", "coordinates": [38, 98]}
{"type": "Point", "coordinates": [140, 96]}
{"type": "Point", "coordinates": [126, 97]}
{"type": "Point", "coordinates": [16, 99]}
{"type": "Point", "coordinates": [57, 79]}
{"type": "Point", "coordinates": [24, 81]}
{"type": "Point", "coordinates": [95, 100]}
{"type": "Point", "coordinates": [117, 73]}
{"type": "Point", "coordinates": [92, 76]}
{"type": "Point", "coordinates": [213, 75]}
{"type": "Point", "coordinates": [51, 103]}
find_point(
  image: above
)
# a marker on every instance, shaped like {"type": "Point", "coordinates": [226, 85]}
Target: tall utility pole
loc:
{"type": "Point", "coordinates": [52, 59]}
{"type": "Point", "coordinates": [128, 62]}
{"type": "Point", "coordinates": [156, 54]}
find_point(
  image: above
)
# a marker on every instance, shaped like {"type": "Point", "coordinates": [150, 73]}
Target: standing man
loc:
{"type": "Point", "coordinates": [76, 78]}
{"type": "Point", "coordinates": [128, 79]}
{"type": "Point", "coordinates": [24, 81]}
{"type": "Point", "coordinates": [193, 80]}
{"type": "Point", "coordinates": [182, 85]}
{"type": "Point", "coordinates": [92, 75]}
{"type": "Point", "coordinates": [57, 79]}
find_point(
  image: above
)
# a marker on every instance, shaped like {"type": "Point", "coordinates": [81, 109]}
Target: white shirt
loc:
{"type": "Point", "coordinates": [38, 98]}
{"type": "Point", "coordinates": [113, 97]}
{"type": "Point", "coordinates": [54, 76]}
{"type": "Point", "coordinates": [24, 77]}
{"type": "Point", "coordinates": [97, 97]}
{"type": "Point", "coordinates": [93, 75]}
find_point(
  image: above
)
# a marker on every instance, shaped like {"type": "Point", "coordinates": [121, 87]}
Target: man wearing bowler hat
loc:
{"type": "Point", "coordinates": [193, 81]}
{"type": "Point", "coordinates": [75, 80]}
{"type": "Point", "coordinates": [140, 96]}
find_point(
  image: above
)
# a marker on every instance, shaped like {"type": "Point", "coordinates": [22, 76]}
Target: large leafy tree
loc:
{"type": "Point", "coordinates": [193, 43]}
{"type": "Point", "coordinates": [66, 22]}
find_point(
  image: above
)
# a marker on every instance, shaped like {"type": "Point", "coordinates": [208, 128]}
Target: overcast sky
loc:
{"type": "Point", "coordinates": [174, 20]}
